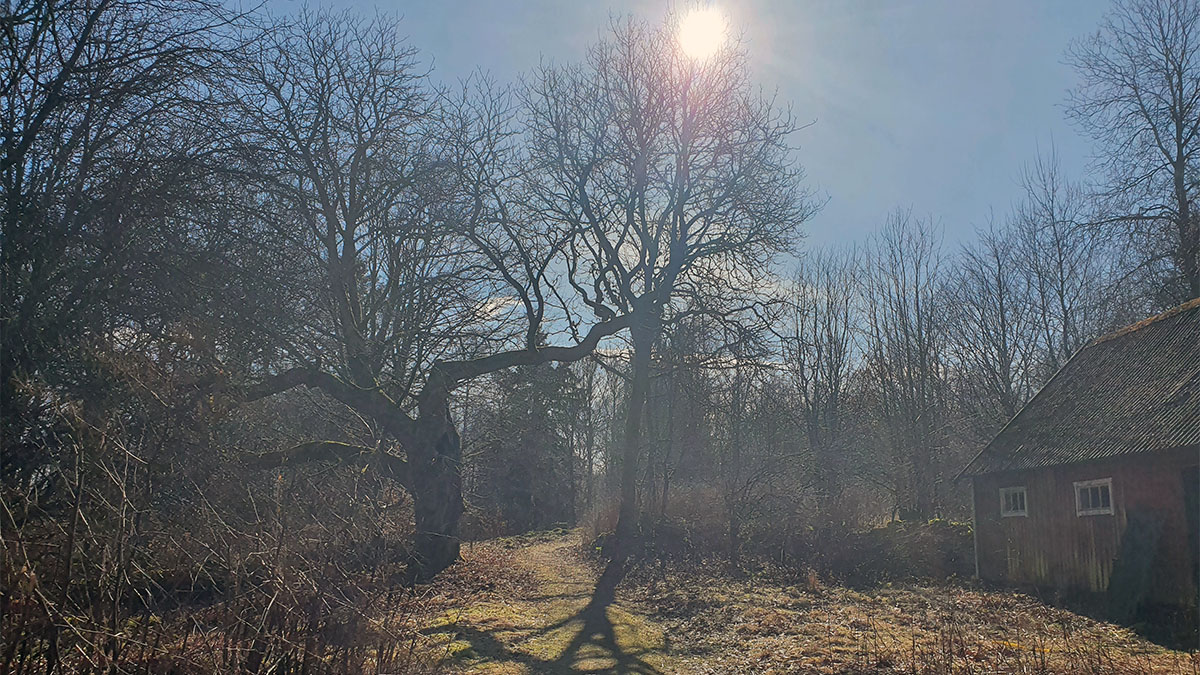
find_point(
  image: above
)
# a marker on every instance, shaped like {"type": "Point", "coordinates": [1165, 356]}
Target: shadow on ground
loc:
{"type": "Point", "coordinates": [598, 638]}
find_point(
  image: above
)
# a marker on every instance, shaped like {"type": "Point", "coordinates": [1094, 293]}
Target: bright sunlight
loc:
{"type": "Point", "coordinates": [702, 32]}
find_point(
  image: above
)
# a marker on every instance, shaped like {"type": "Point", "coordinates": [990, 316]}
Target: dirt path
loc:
{"type": "Point", "coordinates": [564, 621]}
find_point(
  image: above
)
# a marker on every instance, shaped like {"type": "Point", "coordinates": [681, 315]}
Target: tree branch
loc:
{"type": "Point", "coordinates": [371, 402]}
{"type": "Point", "coordinates": [333, 451]}
{"type": "Point", "coordinates": [445, 375]}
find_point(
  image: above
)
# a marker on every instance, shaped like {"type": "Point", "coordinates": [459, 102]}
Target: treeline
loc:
{"type": "Point", "coordinates": [285, 319]}
{"type": "Point", "coordinates": [884, 367]}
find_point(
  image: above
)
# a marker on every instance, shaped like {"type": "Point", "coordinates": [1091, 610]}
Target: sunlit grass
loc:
{"type": "Point", "coordinates": [766, 623]}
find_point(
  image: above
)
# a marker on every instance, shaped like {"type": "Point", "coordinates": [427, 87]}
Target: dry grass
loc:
{"type": "Point", "coordinates": [763, 625]}
{"type": "Point", "coordinates": [546, 623]}
{"type": "Point", "coordinates": [700, 620]}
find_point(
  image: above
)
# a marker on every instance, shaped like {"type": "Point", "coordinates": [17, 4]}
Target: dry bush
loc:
{"type": "Point", "coordinates": [901, 550]}
{"type": "Point", "coordinates": [144, 542]}
{"type": "Point", "coordinates": [598, 522]}
{"type": "Point", "coordinates": [787, 536]}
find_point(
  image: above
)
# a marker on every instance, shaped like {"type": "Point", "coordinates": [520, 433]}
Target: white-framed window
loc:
{"type": "Point", "coordinates": [1093, 497]}
{"type": "Point", "coordinates": [1012, 502]}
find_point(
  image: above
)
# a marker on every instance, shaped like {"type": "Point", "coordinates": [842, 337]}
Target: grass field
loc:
{"type": "Point", "coordinates": [543, 611]}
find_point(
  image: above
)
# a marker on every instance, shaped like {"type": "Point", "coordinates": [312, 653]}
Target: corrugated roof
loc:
{"type": "Point", "coordinates": [1136, 390]}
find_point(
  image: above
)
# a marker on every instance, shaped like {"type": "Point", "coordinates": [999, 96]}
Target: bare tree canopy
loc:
{"type": "Point", "coordinates": [1139, 97]}
{"type": "Point", "coordinates": [679, 177]}
{"type": "Point", "coordinates": [285, 320]}
{"type": "Point", "coordinates": [424, 269]}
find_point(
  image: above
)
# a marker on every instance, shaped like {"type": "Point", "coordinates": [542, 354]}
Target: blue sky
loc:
{"type": "Point", "coordinates": [929, 104]}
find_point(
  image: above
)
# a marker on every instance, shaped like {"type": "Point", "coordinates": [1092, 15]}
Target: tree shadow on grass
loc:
{"type": "Point", "coordinates": [594, 648]}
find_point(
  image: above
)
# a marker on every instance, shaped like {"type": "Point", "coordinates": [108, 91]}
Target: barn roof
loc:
{"type": "Point", "coordinates": [1135, 390]}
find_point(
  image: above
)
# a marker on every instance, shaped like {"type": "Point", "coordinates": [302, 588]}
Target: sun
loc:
{"type": "Point", "coordinates": [702, 32]}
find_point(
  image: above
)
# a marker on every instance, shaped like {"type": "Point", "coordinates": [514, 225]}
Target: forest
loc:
{"type": "Point", "coordinates": [298, 339]}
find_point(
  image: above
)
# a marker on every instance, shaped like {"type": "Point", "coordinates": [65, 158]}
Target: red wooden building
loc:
{"type": "Point", "coordinates": [1093, 484]}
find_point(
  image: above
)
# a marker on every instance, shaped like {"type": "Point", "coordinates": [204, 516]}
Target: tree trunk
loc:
{"type": "Point", "coordinates": [735, 537]}
{"type": "Point", "coordinates": [437, 497]}
{"type": "Point", "coordinates": [923, 498]}
{"type": "Point", "coordinates": [666, 486]}
{"type": "Point", "coordinates": [572, 484]}
{"type": "Point", "coordinates": [1189, 237]}
{"type": "Point", "coordinates": [1191, 257]}
{"type": "Point", "coordinates": [642, 333]}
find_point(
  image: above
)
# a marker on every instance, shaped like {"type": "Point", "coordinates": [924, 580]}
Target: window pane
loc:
{"type": "Point", "coordinates": [1012, 501]}
{"type": "Point", "coordinates": [1095, 498]}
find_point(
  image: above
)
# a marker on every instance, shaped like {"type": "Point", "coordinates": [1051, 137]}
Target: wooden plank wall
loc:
{"type": "Point", "coordinates": [1054, 547]}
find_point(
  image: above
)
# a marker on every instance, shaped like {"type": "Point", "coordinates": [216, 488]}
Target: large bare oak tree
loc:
{"type": "Point", "coordinates": [681, 181]}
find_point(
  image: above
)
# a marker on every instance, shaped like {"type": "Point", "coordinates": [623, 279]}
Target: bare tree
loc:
{"type": "Point", "coordinates": [105, 150]}
{"type": "Point", "coordinates": [992, 330]}
{"type": "Point", "coordinates": [820, 349]}
{"type": "Point", "coordinates": [1066, 266]}
{"type": "Point", "coordinates": [691, 351]}
{"type": "Point", "coordinates": [585, 432]}
{"type": "Point", "coordinates": [902, 277]}
{"type": "Point", "coordinates": [108, 181]}
{"type": "Point", "coordinates": [680, 179]}
{"type": "Point", "coordinates": [1140, 99]}
{"type": "Point", "coordinates": [757, 458]}
{"type": "Point", "coordinates": [425, 271]}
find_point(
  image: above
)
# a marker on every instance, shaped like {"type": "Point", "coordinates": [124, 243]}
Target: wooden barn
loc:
{"type": "Point", "coordinates": [1092, 486]}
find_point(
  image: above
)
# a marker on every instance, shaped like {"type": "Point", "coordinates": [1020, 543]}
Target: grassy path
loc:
{"type": "Point", "coordinates": [563, 621]}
